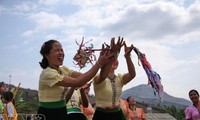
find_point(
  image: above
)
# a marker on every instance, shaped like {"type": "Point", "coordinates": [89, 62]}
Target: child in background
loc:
{"type": "Point", "coordinates": [9, 112]}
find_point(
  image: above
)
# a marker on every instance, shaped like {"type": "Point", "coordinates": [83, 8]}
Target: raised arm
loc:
{"type": "Point", "coordinates": [69, 94]}
{"type": "Point", "coordinates": [84, 97]}
{"type": "Point", "coordinates": [106, 69]}
{"type": "Point", "coordinates": [105, 58]}
{"type": "Point", "coordinates": [131, 68]}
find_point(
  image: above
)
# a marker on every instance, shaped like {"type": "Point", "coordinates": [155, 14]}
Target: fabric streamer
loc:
{"type": "Point", "coordinates": [154, 78]}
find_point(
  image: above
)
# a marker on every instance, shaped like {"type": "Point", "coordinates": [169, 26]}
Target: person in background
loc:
{"type": "Point", "coordinates": [135, 113]}
{"type": "Point", "coordinates": [9, 112]}
{"type": "Point", "coordinates": [88, 111]}
{"type": "Point", "coordinates": [75, 98]}
{"type": "Point", "coordinates": [3, 88]}
{"type": "Point", "coordinates": [108, 86]}
{"type": "Point", "coordinates": [55, 78]}
{"type": "Point", "coordinates": [193, 112]}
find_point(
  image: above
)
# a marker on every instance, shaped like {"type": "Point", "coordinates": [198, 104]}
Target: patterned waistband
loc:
{"type": "Point", "coordinates": [73, 110]}
{"type": "Point", "coordinates": [57, 104]}
{"type": "Point", "coordinates": [109, 107]}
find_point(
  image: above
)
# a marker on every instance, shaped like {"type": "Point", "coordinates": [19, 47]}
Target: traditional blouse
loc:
{"type": "Point", "coordinates": [192, 112]}
{"type": "Point", "coordinates": [108, 93]}
{"type": "Point", "coordinates": [48, 90]}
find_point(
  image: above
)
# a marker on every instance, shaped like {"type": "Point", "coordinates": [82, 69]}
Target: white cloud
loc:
{"type": "Point", "coordinates": [96, 13]}
{"type": "Point", "coordinates": [194, 7]}
{"type": "Point", "coordinates": [10, 47]}
{"type": "Point", "coordinates": [51, 36]}
{"type": "Point", "coordinates": [2, 9]}
{"type": "Point", "coordinates": [28, 33]}
{"type": "Point", "coordinates": [46, 20]}
{"type": "Point", "coordinates": [49, 2]}
{"type": "Point", "coordinates": [196, 60]}
{"type": "Point", "coordinates": [26, 7]}
{"type": "Point", "coordinates": [153, 21]}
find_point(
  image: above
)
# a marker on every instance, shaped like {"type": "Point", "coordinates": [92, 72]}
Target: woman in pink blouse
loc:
{"type": "Point", "coordinates": [193, 112]}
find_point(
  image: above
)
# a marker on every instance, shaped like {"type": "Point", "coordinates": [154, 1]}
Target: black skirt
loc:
{"type": "Point", "coordinates": [101, 114]}
{"type": "Point", "coordinates": [76, 116]}
{"type": "Point", "coordinates": [52, 113]}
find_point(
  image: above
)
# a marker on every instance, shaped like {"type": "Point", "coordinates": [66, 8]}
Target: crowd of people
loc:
{"type": "Point", "coordinates": [63, 92]}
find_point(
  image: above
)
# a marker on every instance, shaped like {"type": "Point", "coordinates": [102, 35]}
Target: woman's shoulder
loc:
{"type": "Point", "coordinates": [48, 70]}
{"type": "Point", "coordinates": [65, 68]}
{"type": "Point", "coordinates": [190, 108]}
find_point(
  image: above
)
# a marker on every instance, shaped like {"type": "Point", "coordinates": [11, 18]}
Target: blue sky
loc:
{"type": "Point", "coordinates": [167, 31]}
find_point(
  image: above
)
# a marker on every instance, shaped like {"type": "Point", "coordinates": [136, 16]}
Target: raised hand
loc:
{"type": "Point", "coordinates": [127, 50]}
{"type": "Point", "coordinates": [116, 47]}
{"type": "Point", "coordinates": [106, 57]}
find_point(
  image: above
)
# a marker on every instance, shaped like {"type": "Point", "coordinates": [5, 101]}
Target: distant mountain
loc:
{"type": "Point", "coordinates": [144, 94]}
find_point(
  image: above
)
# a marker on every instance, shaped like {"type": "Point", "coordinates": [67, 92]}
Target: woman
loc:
{"type": "Point", "coordinates": [193, 112]}
{"type": "Point", "coordinates": [108, 87]}
{"type": "Point", "coordinates": [133, 112]}
{"type": "Point", "coordinates": [55, 78]}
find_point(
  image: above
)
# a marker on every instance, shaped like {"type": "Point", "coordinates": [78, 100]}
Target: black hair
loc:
{"type": "Point", "coordinates": [128, 101]}
{"type": "Point", "coordinates": [45, 49]}
{"type": "Point", "coordinates": [1, 84]}
{"type": "Point", "coordinates": [8, 96]}
{"type": "Point", "coordinates": [128, 98]}
{"type": "Point", "coordinates": [193, 90]}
